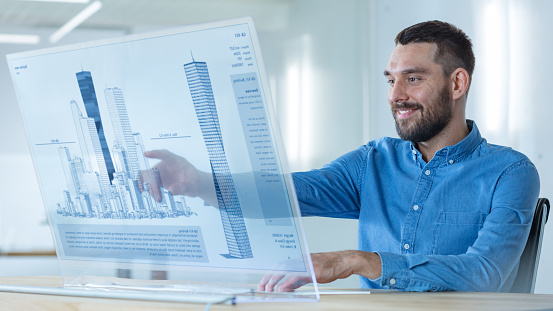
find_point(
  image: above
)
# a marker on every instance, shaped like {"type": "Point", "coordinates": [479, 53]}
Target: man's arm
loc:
{"type": "Point", "coordinates": [340, 265]}
{"type": "Point", "coordinates": [333, 191]}
{"type": "Point", "coordinates": [329, 267]}
{"type": "Point", "coordinates": [486, 266]}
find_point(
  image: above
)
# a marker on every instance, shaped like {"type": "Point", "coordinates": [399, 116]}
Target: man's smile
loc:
{"type": "Point", "coordinates": [405, 113]}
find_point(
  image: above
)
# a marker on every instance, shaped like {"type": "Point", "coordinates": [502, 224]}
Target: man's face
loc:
{"type": "Point", "coordinates": [419, 93]}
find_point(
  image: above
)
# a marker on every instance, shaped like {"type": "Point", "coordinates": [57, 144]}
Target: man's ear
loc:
{"type": "Point", "coordinates": [459, 83]}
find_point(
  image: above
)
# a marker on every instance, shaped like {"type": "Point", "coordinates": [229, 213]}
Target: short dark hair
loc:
{"type": "Point", "coordinates": [454, 46]}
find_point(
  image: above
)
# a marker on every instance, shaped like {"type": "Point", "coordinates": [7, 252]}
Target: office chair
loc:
{"type": "Point", "coordinates": [526, 277]}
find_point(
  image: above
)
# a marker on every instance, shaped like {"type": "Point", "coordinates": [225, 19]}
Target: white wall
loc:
{"type": "Point", "coordinates": [530, 85]}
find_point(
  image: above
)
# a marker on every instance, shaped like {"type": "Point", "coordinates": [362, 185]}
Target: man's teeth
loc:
{"type": "Point", "coordinates": [403, 111]}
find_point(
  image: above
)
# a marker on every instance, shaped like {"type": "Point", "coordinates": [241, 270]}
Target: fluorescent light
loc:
{"type": "Point", "coordinates": [19, 39]}
{"type": "Point", "coordinates": [64, 1]}
{"type": "Point", "coordinates": [75, 21]}
{"type": "Point", "coordinates": [308, 107]}
{"type": "Point", "coordinates": [496, 66]}
{"type": "Point", "coordinates": [293, 117]}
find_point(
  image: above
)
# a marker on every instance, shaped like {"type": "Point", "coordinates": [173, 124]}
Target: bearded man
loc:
{"type": "Point", "coordinates": [439, 209]}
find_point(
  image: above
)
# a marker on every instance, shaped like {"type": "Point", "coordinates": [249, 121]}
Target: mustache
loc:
{"type": "Point", "coordinates": [406, 105]}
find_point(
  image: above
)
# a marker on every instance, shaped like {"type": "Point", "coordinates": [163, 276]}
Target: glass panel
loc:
{"type": "Point", "coordinates": [160, 162]}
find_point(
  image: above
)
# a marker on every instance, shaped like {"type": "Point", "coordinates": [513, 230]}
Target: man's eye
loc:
{"type": "Point", "coordinates": [391, 81]}
{"type": "Point", "coordinates": [413, 79]}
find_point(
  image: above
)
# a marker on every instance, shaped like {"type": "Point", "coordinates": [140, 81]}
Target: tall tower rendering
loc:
{"type": "Point", "coordinates": [124, 139]}
{"type": "Point", "coordinates": [91, 147]}
{"type": "Point", "coordinates": [231, 213]}
{"type": "Point", "coordinates": [122, 128]}
{"type": "Point", "coordinates": [84, 78]}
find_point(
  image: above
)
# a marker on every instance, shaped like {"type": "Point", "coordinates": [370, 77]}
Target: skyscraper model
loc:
{"type": "Point", "coordinates": [88, 94]}
{"type": "Point", "coordinates": [231, 213]}
{"type": "Point", "coordinates": [91, 149]}
{"type": "Point", "coordinates": [124, 139]}
{"type": "Point", "coordinates": [122, 129]}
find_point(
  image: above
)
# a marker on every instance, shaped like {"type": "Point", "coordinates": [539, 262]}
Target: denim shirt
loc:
{"type": "Point", "coordinates": [459, 222]}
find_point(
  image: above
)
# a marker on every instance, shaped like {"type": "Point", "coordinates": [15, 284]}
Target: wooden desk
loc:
{"type": "Point", "coordinates": [375, 301]}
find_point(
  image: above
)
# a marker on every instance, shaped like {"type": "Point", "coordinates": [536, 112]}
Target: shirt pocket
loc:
{"type": "Point", "coordinates": [455, 232]}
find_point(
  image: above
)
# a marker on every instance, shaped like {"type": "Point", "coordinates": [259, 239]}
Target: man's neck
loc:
{"type": "Point", "coordinates": [453, 133]}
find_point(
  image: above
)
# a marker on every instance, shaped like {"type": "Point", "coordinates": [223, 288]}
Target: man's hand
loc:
{"type": "Point", "coordinates": [328, 267]}
{"type": "Point", "coordinates": [178, 176]}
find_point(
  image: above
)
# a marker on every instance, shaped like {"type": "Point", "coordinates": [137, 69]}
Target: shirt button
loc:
{"type": "Point", "coordinates": [392, 281]}
{"type": "Point", "coordinates": [414, 152]}
{"type": "Point", "coordinates": [406, 246]}
{"type": "Point", "coordinates": [414, 158]}
{"type": "Point", "coordinates": [416, 207]}
{"type": "Point", "coordinates": [451, 161]}
{"type": "Point", "coordinates": [427, 172]}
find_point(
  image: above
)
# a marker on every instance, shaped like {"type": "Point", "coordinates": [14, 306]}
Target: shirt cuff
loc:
{"type": "Point", "coordinates": [395, 271]}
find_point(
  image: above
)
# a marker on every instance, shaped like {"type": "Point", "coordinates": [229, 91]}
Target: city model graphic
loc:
{"type": "Point", "coordinates": [104, 183]}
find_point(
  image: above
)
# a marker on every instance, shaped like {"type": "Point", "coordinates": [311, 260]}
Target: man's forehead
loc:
{"type": "Point", "coordinates": [412, 57]}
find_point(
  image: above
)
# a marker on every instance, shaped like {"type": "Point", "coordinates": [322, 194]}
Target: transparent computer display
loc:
{"type": "Point", "coordinates": [159, 158]}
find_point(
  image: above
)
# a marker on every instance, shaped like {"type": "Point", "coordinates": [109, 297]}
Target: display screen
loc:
{"type": "Point", "coordinates": [161, 149]}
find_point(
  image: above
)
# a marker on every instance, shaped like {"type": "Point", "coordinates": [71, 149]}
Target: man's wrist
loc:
{"type": "Point", "coordinates": [367, 264]}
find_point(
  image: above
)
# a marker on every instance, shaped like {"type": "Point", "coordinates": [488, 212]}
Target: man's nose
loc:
{"type": "Point", "coordinates": [397, 93]}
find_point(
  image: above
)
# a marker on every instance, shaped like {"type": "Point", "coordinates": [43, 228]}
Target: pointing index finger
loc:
{"type": "Point", "coordinates": [157, 154]}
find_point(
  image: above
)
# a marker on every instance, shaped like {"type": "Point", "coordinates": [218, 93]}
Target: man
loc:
{"type": "Point", "coordinates": [439, 209]}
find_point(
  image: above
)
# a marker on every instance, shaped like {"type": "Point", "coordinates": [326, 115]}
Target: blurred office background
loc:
{"type": "Point", "coordinates": [324, 60]}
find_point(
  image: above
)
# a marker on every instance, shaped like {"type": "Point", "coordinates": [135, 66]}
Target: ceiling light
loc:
{"type": "Point", "coordinates": [75, 21]}
{"type": "Point", "coordinates": [19, 39]}
{"type": "Point", "coordinates": [65, 1]}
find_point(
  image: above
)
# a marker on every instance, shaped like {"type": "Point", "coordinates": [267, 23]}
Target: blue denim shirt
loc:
{"type": "Point", "coordinates": [459, 222]}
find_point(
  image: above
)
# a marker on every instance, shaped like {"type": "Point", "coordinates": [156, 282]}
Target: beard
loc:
{"type": "Point", "coordinates": [432, 120]}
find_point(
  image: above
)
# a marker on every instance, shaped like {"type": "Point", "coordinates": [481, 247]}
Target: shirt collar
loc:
{"type": "Point", "coordinates": [463, 148]}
